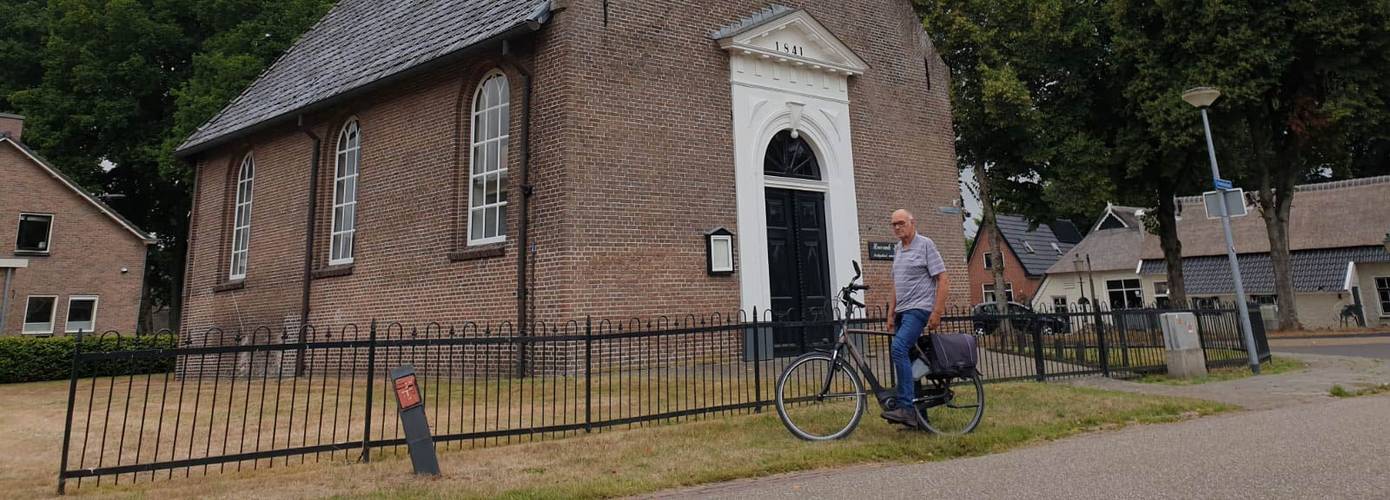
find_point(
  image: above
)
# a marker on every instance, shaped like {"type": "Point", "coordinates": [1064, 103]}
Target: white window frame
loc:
{"type": "Point", "coordinates": [483, 113]}
{"type": "Point", "coordinates": [1029, 247]}
{"type": "Point", "coordinates": [52, 316]}
{"type": "Point", "coordinates": [989, 260]}
{"type": "Point", "coordinates": [1065, 305]}
{"type": "Point", "coordinates": [341, 240]}
{"type": "Point", "coordinates": [67, 320]}
{"type": "Point", "coordinates": [1008, 292]}
{"type": "Point", "coordinates": [1384, 311]}
{"type": "Point", "coordinates": [1056, 248]}
{"type": "Point", "coordinates": [241, 220]}
{"type": "Point", "coordinates": [48, 239]}
{"type": "Point", "coordinates": [1124, 290]}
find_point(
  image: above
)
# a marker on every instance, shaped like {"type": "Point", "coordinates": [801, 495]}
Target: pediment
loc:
{"type": "Point", "coordinates": [791, 36]}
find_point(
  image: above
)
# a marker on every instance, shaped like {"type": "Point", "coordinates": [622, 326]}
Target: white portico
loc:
{"type": "Point", "coordinates": [790, 87]}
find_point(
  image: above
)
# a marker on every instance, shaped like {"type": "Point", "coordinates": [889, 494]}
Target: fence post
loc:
{"type": "Point", "coordinates": [371, 384]}
{"type": "Point", "coordinates": [588, 372]}
{"type": "Point", "coordinates": [1102, 348]}
{"type": "Point", "coordinates": [1038, 358]}
{"type": "Point", "coordinates": [67, 427]}
{"type": "Point", "coordinates": [1104, 353]}
{"type": "Point", "coordinates": [757, 364]}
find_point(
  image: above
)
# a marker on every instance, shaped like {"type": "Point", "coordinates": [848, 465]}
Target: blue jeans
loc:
{"type": "Point", "coordinates": [910, 324]}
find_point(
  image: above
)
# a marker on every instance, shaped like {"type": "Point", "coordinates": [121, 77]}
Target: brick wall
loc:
{"type": "Point", "coordinates": [631, 166]}
{"type": "Point", "coordinates": [87, 252]}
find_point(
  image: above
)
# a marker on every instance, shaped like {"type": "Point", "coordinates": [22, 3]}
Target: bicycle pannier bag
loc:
{"type": "Point", "coordinates": [952, 355]}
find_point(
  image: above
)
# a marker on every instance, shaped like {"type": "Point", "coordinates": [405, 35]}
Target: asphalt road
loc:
{"type": "Point", "coordinates": [1331, 449]}
{"type": "Point", "coordinates": [1377, 350]}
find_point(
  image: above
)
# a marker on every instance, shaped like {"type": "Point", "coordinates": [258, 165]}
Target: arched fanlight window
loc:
{"type": "Point", "coordinates": [241, 219]}
{"type": "Point", "coordinates": [487, 199]}
{"type": "Point", "coordinates": [345, 194]}
{"type": "Point", "coordinates": [789, 156]}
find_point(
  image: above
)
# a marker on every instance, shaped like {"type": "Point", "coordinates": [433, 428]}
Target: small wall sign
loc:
{"type": "Point", "coordinates": [880, 251]}
{"type": "Point", "coordinates": [407, 392]}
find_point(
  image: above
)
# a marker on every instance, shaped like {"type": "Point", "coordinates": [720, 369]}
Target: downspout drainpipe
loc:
{"type": "Point", "coordinates": [523, 219]}
{"type": "Point", "coordinates": [312, 211]}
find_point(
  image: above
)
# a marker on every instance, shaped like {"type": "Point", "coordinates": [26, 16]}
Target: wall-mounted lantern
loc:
{"type": "Point", "coordinates": [719, 252]}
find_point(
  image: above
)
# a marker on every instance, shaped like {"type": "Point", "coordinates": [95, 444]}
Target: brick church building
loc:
{"type": "Point", "coordinates": [493, 160]}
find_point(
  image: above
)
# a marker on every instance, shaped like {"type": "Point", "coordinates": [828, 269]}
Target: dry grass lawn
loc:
{"type": "Point", "coordinates": [611, 463]}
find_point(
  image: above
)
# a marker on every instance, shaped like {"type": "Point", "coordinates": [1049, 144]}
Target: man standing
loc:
{"type": "Point", "coordinates": [920, 290]}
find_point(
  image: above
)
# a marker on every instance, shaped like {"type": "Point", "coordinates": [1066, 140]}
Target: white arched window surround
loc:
{"type": "Point", "coordinates": [487, 191]}
{"type": "Point", "coordinates": [346, 166]}
{"type": "Point", "coordinates": [241, 218]}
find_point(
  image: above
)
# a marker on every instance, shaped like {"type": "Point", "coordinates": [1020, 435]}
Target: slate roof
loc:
{"type": "Point", "coordinates": [1341, 214]}
{"type": "Point", "coordinates": [102, 207]}
{"type": "Point", "coordinates": [359, 43]}
{"type": "Point", "coordinates": [1109, 250]}
{"type": "Point", "coordinates": [1020, 238]}
{"type": "Point", "coordinates": [737, 27]}
{"type": "Point", "coordinates": [1321, 270]}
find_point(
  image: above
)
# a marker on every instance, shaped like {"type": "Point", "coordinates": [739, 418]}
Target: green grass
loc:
{"type": "Point", "coordinates": [1275, 366]}
{"type": "Point", "coordinates": [1342, 392]}
{"type": "Point", "coordinates": [654, 458]}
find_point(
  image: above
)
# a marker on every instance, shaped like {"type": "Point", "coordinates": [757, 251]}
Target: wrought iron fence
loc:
{"type": "Point", "coordinates": [262, 398]}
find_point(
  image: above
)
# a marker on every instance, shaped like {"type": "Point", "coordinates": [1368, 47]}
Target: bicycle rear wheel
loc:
{"type": "Point", "coordinates": [951, 406]}
{"type": "Point", "coordinates": [819, 399]}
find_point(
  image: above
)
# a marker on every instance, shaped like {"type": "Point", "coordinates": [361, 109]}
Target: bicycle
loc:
{"type": "Point", "coordinates": [820, 396]}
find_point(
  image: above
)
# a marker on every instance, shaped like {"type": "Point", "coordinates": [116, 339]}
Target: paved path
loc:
{"type": "Point", "coordinates": [1333, 450]}
{"type": "Point", "coordinates": [1366, 347]}
{"type": "Point", "coordinates": [1299, 443]}
{"type": "Point", "coordinates": [1270, 391]}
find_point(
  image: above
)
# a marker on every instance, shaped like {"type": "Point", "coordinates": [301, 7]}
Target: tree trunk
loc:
{"type": "Point", "coordinates": [996, 244]}
{"type": "Point", "coordinates": [1277, 177]}
{"type": "Point", "coordinates": [1277, 225]}
{"type": "Point", "coordinates": [1172, 246]}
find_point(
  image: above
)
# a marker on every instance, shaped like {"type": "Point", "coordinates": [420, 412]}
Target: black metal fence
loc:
{"type": "Point", "coordinates": [261, 398]}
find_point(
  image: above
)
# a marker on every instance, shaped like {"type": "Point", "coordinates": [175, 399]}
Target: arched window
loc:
{"type": "Point", "coordinates": [345, 194]}
{"type": "Point", "coordinates": [487, 199]}
{"type": "Point", "coordinates": [241, 219]}
{"type": "Point", "coordinates": [790, 157]}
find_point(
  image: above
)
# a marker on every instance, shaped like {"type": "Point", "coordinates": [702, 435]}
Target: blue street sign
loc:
{"type": "Point", "coordinates": [1223, 184]}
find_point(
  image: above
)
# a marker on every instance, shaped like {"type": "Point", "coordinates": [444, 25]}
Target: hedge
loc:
{"type": "Point", "coordinates": [29, 359]}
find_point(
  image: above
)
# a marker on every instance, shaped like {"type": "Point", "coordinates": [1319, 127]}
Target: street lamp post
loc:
{"type": "Point", "coordinates": [1202, 98]}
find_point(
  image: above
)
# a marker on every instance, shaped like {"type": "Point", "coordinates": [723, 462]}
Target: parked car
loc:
{"type": "Point", "coordinates": [1022, 318]}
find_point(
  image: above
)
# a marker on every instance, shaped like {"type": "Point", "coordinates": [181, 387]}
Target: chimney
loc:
{"type": "Point", "coordinates": [11, 126]}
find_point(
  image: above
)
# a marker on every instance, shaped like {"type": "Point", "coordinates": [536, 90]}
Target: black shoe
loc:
{"type": "Point", "coordinates": [903, 416]}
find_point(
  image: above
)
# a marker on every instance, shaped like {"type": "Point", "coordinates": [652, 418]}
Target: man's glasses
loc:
{"type": "Point", "coordinates": [899, 223]}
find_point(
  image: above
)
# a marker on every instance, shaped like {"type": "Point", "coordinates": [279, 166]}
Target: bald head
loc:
{"type": "Point", "coordinates": [904, 225]}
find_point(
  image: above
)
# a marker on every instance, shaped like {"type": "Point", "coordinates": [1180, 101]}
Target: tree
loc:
{"type": "Point", "coordinates": [22, 35]}
{"type": "Point", "coordinates": [123, 81]}
{"type": "Point", "coordinates": [1033, 103]}
{"type": "Point", "coordinates": [1303, 82]}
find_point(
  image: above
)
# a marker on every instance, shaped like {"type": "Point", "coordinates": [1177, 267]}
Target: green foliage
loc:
{"type": "Point", "coordinates": [22, 32]}
{"type": "Point", "coordinates": [27, 359]}
{"type": "Point", "coordinates": [1030, 99]}
{"type": "Point", "coordinates": [124, 81]}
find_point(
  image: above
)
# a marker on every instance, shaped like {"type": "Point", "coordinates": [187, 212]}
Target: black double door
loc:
{"type": "Point", "coordinates": [799, 269]}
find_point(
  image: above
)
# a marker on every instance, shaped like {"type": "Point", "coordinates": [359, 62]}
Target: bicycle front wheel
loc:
{"type": "Point", "coordinates": [951, 406]}
{"type": "Point", "coordinates": [819, 399]}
